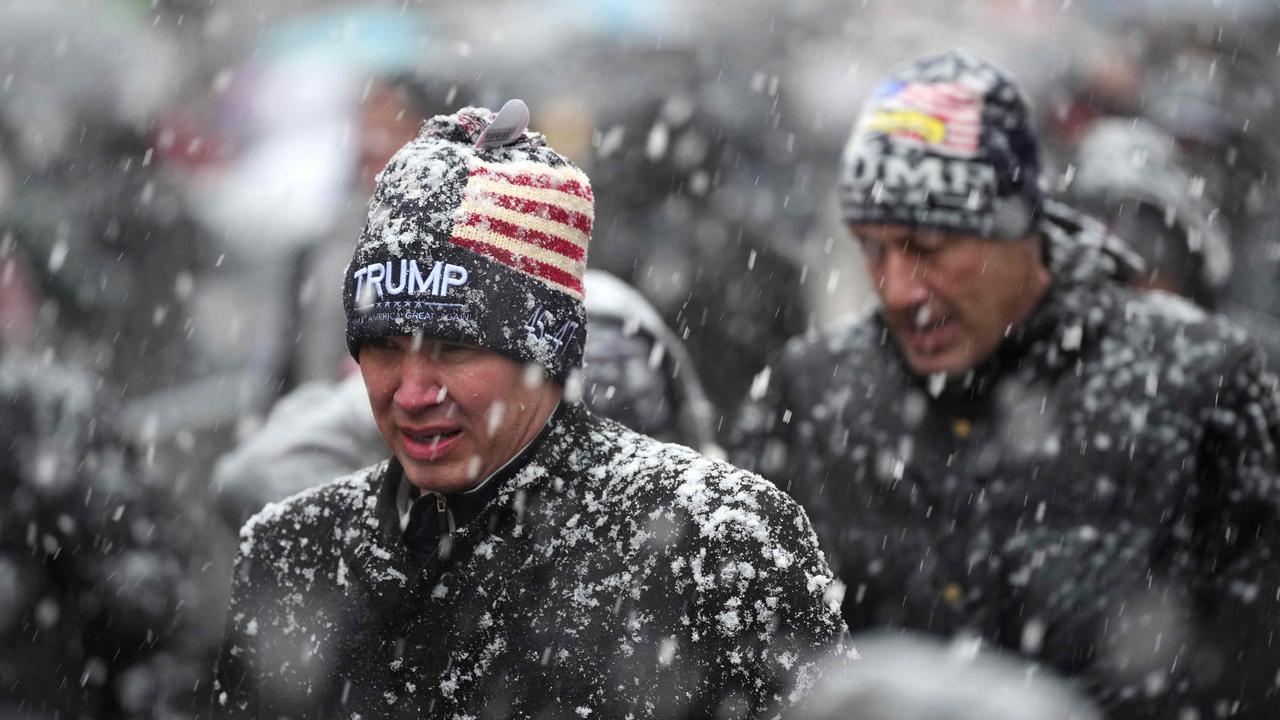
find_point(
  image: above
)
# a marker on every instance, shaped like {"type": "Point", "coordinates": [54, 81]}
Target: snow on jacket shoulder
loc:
{"type": "Point", "coordinates": [613, 576]}
{"type": "Point", "coordinates": [1102, 494]}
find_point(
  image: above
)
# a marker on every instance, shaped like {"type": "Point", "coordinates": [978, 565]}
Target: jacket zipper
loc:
{"type": "Point", "coordinates": [442, 507]}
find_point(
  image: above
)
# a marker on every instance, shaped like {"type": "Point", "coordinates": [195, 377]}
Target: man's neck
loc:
{"type": "Point", "coordinates": [407, 494]}
{"type": "Point", "coordinates": [541, 428]}
{"type": "Point", "coordinates": [1036, 286]}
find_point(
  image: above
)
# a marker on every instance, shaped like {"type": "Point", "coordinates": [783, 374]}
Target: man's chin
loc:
{"type": "Point", "coordinates": [441, 478]}
{"type": "Point", "coordinates": [949, 363]}
{"type": "Point", "coordinates": [940, 351]}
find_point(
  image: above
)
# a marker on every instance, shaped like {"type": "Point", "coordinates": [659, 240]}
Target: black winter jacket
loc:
{"type": "Point", "coordinates": [1100, 495]}
{"type": "Point", "coordinates": [612, 576]}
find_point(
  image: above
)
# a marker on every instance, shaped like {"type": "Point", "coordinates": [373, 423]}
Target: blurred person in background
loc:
{"type": "Point", "coordinates": [1016, 446]}
{"type": "Point", "coordinates": [392, 107]}
{"type": "Point", "coordinates": [1133, 176]}
{"type": "Point", "coordinates": [101, 614]}
{"type": "Point", "coordinates": [99, 596]}
{"type": "Point", "coordinates": [1222, 114]}
{"type": "Point", "coordinates": [1207, 81]}
{"type": "Point", "coordinates": [101, 232]}
{"type": "Point", "coordinates": [635, 371]}
{"type": "Point", "coordinates": [705, 193]}
{"type": "Point", "coordinates": [279, 154]}
{"type": "Point", "coordinates": [516, 556]}
{"type": "Point", "coordinates": [1213, 89]}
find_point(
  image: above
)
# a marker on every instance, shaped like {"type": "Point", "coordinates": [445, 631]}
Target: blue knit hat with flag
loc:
{"type": "Point", "coordinates": [945, 142]}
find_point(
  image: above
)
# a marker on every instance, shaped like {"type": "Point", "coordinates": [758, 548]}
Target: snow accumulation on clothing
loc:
{"type": "Point", "coordinates": [1105, 482]}
{"type": "Point", "coordinates": [612, 573]}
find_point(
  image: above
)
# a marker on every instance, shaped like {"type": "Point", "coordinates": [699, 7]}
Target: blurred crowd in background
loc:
{"type": "Point", "coordinates": [181, 183]}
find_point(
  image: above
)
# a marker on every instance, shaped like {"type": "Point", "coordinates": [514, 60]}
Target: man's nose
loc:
{"type": "Point", "coordinates": [901, 280]}
{"type": "Point", "coordinates": [422, 383]}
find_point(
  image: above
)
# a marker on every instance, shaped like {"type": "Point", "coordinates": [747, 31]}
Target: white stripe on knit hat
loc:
{"type": "Point", "coordinates": [552, 174]}
{"type": "Point", "coordinates": [481, 183]}
{"type": "Point", "coordinates": [524, 220]}
{"type": "Point", "coordinates": [520, 248]}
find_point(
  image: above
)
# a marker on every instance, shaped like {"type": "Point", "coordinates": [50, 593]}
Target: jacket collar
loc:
{"type": "Point", "coordinates": [371, 550]}
{"type": "Point", "coordinates": [467, 504]}
{"type": "Point", "coordinates": [374, 553]}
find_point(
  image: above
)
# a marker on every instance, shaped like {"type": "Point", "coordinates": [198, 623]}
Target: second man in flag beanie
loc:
{"type": "Point", "coordinates": [477, 233]}
{"type": "Point", "coordinates": [945, 142]}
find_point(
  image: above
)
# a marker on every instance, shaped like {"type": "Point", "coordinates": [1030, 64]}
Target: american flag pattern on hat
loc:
{"type": "Point", "coordinates": [953, 108]}
{"type": "Point", "coordinates": [530, 216]}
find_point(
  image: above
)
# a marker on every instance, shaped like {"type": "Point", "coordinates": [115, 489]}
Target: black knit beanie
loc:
{"type": "Point", "coordinates": [477, 233]}
{"type": "Point", "coordinates": [944, 142]}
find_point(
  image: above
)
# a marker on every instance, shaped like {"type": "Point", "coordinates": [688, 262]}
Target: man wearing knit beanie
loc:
{"type": "Point", "coordinates": [516, 556]}
{"type": "Point", "coordinates": [1013, 444]}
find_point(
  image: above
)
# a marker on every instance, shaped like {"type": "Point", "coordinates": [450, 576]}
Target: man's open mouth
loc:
{"type": "Point", "coordinates": [428, 444]}
{"type": "Point", "coordinates": [432, 438]}
{"type": "Point", "coordinates": [928, 331]}
{"type": "Point", "coordinates": [925, 319]}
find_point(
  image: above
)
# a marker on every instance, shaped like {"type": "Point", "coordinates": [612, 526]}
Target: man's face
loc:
{"type": "Point", "coordinates": [452, 414]}
{"type": "Point", "coordinates": [948, 299]}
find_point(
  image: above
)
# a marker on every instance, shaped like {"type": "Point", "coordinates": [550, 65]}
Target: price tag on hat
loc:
{"type": "Point", "coordinates": [509, 124]}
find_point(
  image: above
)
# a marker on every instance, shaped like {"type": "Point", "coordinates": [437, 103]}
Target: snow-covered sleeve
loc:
{"type": "Point", "coordinates": [764, 608]}
{"type": "Point", "coordinates": [264, 667]}
{"type": "Point", "coordinates": [235, 687]}
{"type": "Point", "coordinates": [294, 613]}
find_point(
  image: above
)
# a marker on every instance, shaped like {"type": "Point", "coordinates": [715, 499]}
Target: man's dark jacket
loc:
{"type": "Point", "coordinates": [1100, 495]}
{"type": "Point", "coordinates": [612, 576]}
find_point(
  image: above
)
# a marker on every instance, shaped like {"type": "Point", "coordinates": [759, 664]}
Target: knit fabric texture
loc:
{"type": "Point", "coordinates": [480, 245]}
{"type": "Point", "coordinates": [945, 142]}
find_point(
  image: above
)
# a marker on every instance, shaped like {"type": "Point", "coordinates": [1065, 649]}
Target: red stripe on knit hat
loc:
{"type": "Point", "coordinates": [556, 213]}
{"type": "Point", "coordinates": [543, 180]}
{"type": "Point", "coordinates": [557, 245]}
{"type": "Point", "coordinates": [529, 266]}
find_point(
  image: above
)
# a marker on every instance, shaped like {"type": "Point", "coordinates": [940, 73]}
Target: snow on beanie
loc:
{"type": "Point", "coordinates": [944, 142]}
{"type": "Point", "coordinates": [477, 233]}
